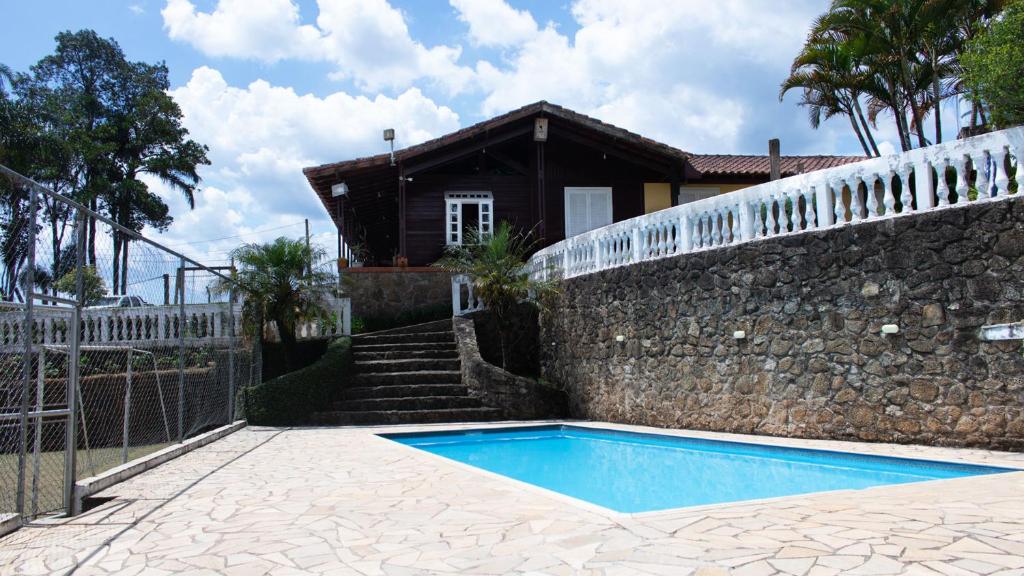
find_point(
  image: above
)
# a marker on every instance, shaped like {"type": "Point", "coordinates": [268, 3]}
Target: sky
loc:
{"type": "Point", "coordinates": [272, 86]}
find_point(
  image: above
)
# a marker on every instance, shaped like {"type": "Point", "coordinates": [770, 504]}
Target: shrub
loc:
{"type": "Point", "coordinates": [994, 67]}
{"type": "Point", "coordinates": [290, 399]}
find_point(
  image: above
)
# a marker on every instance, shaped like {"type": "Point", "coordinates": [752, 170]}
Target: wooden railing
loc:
{"type": "Point", "coordinates": [946, 175]}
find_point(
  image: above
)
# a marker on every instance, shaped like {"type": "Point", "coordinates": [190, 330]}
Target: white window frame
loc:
{"type": "Point", "coordinates": [589, 190]}
{"type": "Point", "coordinates": [453, 203]}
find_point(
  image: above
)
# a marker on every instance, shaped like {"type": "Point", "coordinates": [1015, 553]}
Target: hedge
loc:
{"type": "Point", "coordinates": [289, 400]}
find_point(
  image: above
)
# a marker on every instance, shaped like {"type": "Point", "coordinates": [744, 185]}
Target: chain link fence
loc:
{"type": "Point", "coordinates": [112, 346]}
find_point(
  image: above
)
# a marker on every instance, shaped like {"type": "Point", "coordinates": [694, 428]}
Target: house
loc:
{"type": "Point", "coordinates": [542, 167]}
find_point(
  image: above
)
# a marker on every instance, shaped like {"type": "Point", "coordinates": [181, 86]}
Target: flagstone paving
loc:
{"type": "Point", "coordinates": [343, 501]}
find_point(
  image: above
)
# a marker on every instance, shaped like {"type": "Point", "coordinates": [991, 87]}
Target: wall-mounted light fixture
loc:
{"type": "Point", "coordinates": [339, 189]}
{"type": "Point", "coordinates": [890, 329]}
{"type": "Point", "coordinates": [739, 334]}
{"type": "Point", "coordinates": [620, 338]}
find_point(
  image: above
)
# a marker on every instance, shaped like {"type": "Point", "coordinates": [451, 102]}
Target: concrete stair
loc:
{"type": "Point", "coordinates": [406, 376]}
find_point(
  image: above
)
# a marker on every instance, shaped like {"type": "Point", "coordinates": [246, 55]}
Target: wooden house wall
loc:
{"type": "Point", "coordinates": [567, 164]}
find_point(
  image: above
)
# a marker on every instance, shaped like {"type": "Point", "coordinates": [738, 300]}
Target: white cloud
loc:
{"type": "Point", "coordinates": [261, 136]}
{"type": "Point", "coordinates": [368, 40]}
{"type": "Point", "coordinates": [136, 9]}
{"type": "Point", "coordinates": [698, 75]}
{"type": "Point", "coordinates": [494, 22]}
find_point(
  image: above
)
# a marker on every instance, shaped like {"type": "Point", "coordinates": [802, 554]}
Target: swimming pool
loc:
{"type": "Point", "coordinates": [634, 472]}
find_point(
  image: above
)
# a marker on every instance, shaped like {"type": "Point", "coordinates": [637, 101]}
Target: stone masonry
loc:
{"type": "Point", "coordinates": [814, 362]}
{"type": "Point", "coordinates": [388, 292]}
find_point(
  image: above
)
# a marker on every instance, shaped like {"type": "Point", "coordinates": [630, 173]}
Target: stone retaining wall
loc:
{"type": "Point", "coordinates": [518, 397]}
{"type": "Point", "coordinates": [813, 363]}
{"type": "Point", "coordinates": [389, 292]}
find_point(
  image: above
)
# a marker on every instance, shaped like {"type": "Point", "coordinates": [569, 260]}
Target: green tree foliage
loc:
{"type": "Point", "coordinates": [281, 281]}
{"type": "Point", "coordinates": [899, 57]}
{"type": "Point", "coordinates": [994, 67]}
{"type": "Point", "coordinates": [495, 263]}
{"type": "Point", "coordinates": [93, 286]}
{"type": "Point", "coordinates": [89, 124]}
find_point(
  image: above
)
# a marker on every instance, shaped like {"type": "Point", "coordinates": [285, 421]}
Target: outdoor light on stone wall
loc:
{"type": "Point", "coordinates": [620, 338]}
{"type": "Point", "coordinates": [739, 334]}
{"type": "Point", "coordinates": [890, 329]}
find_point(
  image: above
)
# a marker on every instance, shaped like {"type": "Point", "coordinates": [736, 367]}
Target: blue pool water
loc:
{"type": "Point", "coordinates": [634, 472]}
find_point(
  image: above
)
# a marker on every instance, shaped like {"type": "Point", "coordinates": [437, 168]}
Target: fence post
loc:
{"type": "Point", "coordinates": [127, 410]}
{"type": "Point", "coordinates": [37, 444]}
{"type": "Point", "coordinates": [181, 350]}
{"type": "Point", "coordinates": [231, 352]}
{"type": "Point", "coordinates": [71, 438]}
{"type": "Point", "coordinates": [27, 334]}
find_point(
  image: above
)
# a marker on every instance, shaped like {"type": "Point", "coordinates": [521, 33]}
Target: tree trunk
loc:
{"type": "Point", "coordinates": [860, 136]}
{"type": "Point", "coordinates": [287, 334]}
{"type": "Point", "coordinates": [124, 265]}
{"type": "Point", "coordinates": [116, 276]}
{"type": "Point", "coordinates": [91, 238]}
{"type": "Point", "coordinates": [937, 95]}
{"type": "Point", "coordinates": [867, 128]}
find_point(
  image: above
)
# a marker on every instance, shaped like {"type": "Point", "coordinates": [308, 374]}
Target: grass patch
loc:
{"type": "Point", "coordinates": [50, 484]}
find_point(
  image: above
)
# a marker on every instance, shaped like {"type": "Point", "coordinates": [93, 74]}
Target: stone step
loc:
{"type": "Point", "coordinates": [434, 326]}
{"type": "Point", "coordinates": [401, 378]}
{"type": "Point", "coordinates": [415, 338]}
{"type": "Point", "coordinates": [406, 365]}
{"type": "Point", "coordinates": [407, 403]}
{"type": "Point", "coordinates": [401, 346]}
{"type": "Point", "coordinates": [403, 391]}
{"type": "Point", "coordinates": [343, 417]}
{"type": "Point", "coordinates": [362, 356]}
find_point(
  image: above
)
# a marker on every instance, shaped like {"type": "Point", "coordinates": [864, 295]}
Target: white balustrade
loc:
{"type": "Point", "coordinates": [462, 285]}
{"type": "Point", "coordinates": [152, 325]}
{"type": "Point", "coordinates": [936, 177]}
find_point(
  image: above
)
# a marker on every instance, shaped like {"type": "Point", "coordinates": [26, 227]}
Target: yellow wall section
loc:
{"type": "Point", "coordinates": [657, 196]}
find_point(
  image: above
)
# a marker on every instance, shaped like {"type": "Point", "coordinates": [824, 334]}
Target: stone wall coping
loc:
{"type": "Point", "coordinates": [88, 486]}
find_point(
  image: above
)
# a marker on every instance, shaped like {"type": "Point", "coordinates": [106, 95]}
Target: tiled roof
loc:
{"type": "Point", "coordinates": [492, 123]}
{"type": "Point", "coordinates": [747, 165]}
{"type": "Point", "coordinates": [707, 165]}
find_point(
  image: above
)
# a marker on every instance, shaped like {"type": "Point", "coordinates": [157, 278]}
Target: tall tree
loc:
{"type": "Point", "coordinates": [902, 54]}
{"type": "Point", "coordinates": [108, 123]}
{"type": "Point", "coordinates": [831, 85]}
{"type": "Point", "coordinates": [994, 67]}
{"type": "Point", "coordinates": [147, 138]}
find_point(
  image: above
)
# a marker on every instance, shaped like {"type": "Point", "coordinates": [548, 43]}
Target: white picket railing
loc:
{"type": "Point", "coordinates": [152, 325]}
{"type": "Point", "coordinates": [867, 190]}
{"type": "Point", "coordinates": [464, 300]}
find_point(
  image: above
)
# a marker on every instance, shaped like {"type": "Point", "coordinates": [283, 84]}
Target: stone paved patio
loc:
{"type": "Point", "coordinates": [342, 501]}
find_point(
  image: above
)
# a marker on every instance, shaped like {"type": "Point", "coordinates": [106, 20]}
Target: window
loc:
{"type": "Point", "coordinates": [694, 193]}
{"type": "Point", "coordinates": [586, 209]}
{"type": "Point", "coordinates": [465, 211]}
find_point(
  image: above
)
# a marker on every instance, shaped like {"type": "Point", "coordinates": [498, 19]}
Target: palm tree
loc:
{"type": "Point", "coordinates": [495, 263]}
{"type": "Point", "coordinates": [902, 54]}
{"type": "Point", "coordinates": [280, 281]}
{"type": "Point", "coordinates": [832, 84]}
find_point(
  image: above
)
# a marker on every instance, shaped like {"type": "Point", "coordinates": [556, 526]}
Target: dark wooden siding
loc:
{"type": "Point", "coordinates": [567, 164]}
{"type": "Point", "coordinates": [425, 226]}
